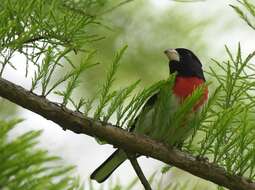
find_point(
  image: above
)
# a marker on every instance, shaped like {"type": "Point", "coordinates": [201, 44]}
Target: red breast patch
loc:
{"type": "Point", "coordinates": [184, 86]}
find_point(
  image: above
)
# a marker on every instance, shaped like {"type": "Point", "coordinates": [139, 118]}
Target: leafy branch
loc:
{"type": "Point", "coordinates": [105, 96]}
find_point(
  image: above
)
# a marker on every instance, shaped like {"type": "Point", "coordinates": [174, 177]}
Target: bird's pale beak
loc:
{"type": "Point", "coordinates": [172, 55]}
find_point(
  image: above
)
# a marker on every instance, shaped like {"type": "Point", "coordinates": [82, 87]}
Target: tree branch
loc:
{"type": "Point", "coordinates": [130, 142]}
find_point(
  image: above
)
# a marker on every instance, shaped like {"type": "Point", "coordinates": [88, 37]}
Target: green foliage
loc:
{"type": "Point", "coordinates": [250, 7]}
{"type": "Point", "coordinates": [74, 82]}
{"type": "Point", "coordinates": [27, 22]}
{"type": "Point", "coordinates": [118, 101]}
{"type": "Point", "coordinates": [105, 96]}
{"type": "Point", "coordinates": [24, 166]}
{"type": "Point", "coordinates": [130, 112]}
{"type": "Point", "coordinates": [45, 33]}
{"type": "Point", "coordinates": [225, 126]}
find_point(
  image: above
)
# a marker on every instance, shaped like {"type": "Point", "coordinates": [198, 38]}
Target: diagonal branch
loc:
{"type": "Point", "coordinates": [130, 142]}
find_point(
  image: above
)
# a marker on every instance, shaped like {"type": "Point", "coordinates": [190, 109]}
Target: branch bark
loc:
{"type": "Point", "coordinates": [130, 142]}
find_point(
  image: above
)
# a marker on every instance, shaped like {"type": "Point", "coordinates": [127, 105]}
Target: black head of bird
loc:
{"type": "Point", "coordinates": [184, 62]}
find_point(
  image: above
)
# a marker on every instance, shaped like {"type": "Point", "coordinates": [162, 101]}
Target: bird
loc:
{"type": "Point", "coordinates": [189, 76]}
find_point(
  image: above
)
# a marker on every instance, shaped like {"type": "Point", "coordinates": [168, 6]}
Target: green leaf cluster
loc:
{"type": "Point", "coordinates": [24, 166]}
{"type": "Point", "coordinates": [44, 33]}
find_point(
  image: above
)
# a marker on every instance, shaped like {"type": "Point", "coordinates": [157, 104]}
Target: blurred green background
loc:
{"type": "Point", "coordinates": [147, 31]}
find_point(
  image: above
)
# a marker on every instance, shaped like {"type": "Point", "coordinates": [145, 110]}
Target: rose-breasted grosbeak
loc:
{"type": "Point", "coordinates": [189, 76]}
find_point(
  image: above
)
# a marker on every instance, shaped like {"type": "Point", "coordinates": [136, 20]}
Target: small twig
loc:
{"type": "Point", "coordinates": [138, 171]}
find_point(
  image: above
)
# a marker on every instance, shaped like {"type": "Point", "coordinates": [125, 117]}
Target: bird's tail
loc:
{"type": "Point", "coordinates": [111, 164]}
